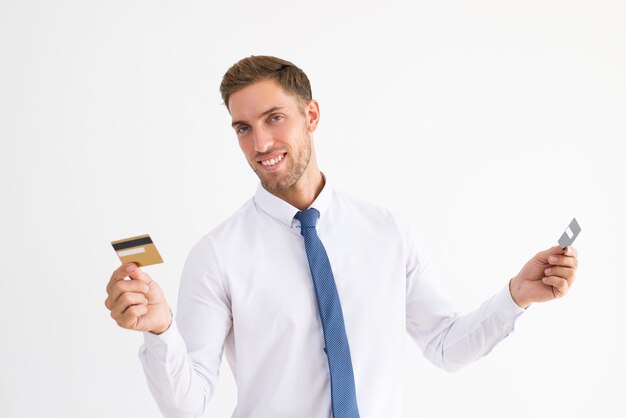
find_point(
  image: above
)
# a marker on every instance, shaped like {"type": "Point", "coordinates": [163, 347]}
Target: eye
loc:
{"type": "Point", "coordinates": [242, 130]}
{"type": "Point", "coordinates": [276, 118]}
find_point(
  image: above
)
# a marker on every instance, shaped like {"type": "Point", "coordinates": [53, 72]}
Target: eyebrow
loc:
{"type": "Point", "coordinates": [267, 112]}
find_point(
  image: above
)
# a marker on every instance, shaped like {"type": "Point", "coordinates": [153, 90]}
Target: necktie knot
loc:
{"type": "Point", "coordinates": [308, 218]}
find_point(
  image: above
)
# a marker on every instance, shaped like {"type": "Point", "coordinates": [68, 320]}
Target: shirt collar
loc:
{"type": "Point", "coordinates": [284, 211]}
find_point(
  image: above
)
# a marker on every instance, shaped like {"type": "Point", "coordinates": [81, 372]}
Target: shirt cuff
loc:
{"type": "Point", "coordinates": [504, 304]}
{"type": "Point", "coordinates": [164, 343]}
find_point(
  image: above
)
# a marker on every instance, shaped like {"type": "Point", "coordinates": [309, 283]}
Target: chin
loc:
{"type": "Point", "coordinates": [276, 186]}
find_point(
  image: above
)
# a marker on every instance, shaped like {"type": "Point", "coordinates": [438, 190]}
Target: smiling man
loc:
{"type": "Point", "coordinates": [274, 131]}
{"type": "Point", "coordinates": [308, 290]}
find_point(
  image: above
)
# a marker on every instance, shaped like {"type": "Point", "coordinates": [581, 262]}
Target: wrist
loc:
{"type": "Point", "coordinates": [162, 329]}
{"type": "Point", "coordinates": [516, 291]}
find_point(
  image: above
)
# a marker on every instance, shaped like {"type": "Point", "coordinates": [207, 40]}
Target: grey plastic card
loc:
{"type": "Point", "coordinates": [570, 234]}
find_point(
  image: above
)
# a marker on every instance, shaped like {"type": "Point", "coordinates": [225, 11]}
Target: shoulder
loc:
{"type": "Point", "coordinates": [365, 210]}
{"type": "Point", "coordinates": [229, 227]}
{"type": "Point", "coordinates": [377, 217]}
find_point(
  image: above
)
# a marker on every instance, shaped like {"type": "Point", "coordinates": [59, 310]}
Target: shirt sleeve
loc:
{"type": "Point", "coordinates": [447, 338]}
{"type": "Point", "coordinates": [182, 364]}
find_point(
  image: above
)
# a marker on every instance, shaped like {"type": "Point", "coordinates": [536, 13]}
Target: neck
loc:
{"type": "Point", "coordinates": [302, 194]}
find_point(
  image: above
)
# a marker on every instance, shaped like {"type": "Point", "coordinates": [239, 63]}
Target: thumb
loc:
{"type": "Point", "coordinates": [555, 250]}
{"type": "Point", "coordinates": [135, 273]}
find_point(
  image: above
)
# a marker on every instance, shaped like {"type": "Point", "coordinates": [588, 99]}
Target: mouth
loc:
{"type": "Point", "coordinates": [272, 162]}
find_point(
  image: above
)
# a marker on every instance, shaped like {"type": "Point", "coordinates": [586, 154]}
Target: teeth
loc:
{"type": "Point", "coordinates": [272, 162]}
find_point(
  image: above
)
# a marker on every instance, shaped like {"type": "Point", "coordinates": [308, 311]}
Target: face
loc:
{"type": "Point", "coordinates": [274, 133]}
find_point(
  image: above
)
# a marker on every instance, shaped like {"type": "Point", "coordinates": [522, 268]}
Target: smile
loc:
{"type": "Point", "coordinates": [272, 161]}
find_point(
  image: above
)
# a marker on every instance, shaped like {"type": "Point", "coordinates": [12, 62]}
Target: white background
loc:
{"type": "Point", "coordinates": [489, 123]}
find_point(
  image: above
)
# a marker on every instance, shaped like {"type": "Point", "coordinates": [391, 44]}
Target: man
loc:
{"type": "Point", "coordinates": [308, 289]}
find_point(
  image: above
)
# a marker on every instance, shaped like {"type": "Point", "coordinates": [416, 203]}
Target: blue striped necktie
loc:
{"type": "Point", "coordinates": [342, 390]}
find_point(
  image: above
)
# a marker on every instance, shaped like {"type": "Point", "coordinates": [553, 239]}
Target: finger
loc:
{"type": "Point", "coordinates": [563, 260]}
{"type": "Point", "coordinates": [121, 273]}
{"type": "Point", "coordinates": [559, 285]}
{"type": "Point", "coordinates": [571, 251]}
{"type": "Point", "coordinates": [567, 273]}
{"type": "Point", "coordinates": [125, 301]}
{"type": "Point", "coordinates": [130, 318]}
{"type": "Point", "coordinates": [123, 286]}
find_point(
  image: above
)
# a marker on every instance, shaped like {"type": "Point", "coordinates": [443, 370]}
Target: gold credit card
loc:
{"type": "Point", "coordinates": [139, 250]}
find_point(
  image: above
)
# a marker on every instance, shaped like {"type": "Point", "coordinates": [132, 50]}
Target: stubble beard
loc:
{"type": "Point", "coordinates": [277, 183]}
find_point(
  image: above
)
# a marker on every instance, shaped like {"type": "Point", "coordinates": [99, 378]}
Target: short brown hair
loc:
{"type": "Point", "coordinates": [262, 67]}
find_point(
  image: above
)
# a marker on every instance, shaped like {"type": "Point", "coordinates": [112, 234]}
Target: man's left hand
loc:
{"type": "Point", "coordinates": [546, 276]}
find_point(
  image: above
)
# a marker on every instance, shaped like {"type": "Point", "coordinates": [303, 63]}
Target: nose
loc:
{"type": "Point", "coordinates": [263, 140]}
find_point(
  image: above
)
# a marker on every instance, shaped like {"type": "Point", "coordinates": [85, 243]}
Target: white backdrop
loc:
{"type": "Point", "coordinates": [490, 124]}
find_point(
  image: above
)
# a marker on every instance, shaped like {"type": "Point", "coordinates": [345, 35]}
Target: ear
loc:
{"type": "Point", "coordinates": [312, 113]}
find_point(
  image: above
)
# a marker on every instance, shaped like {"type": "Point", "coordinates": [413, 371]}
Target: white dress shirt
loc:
{"type": "Point", "coordinates": [246, 288]}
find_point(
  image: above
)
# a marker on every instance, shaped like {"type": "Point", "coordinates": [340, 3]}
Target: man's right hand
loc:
{"type": "Point", "coordinates": [137, 303]}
